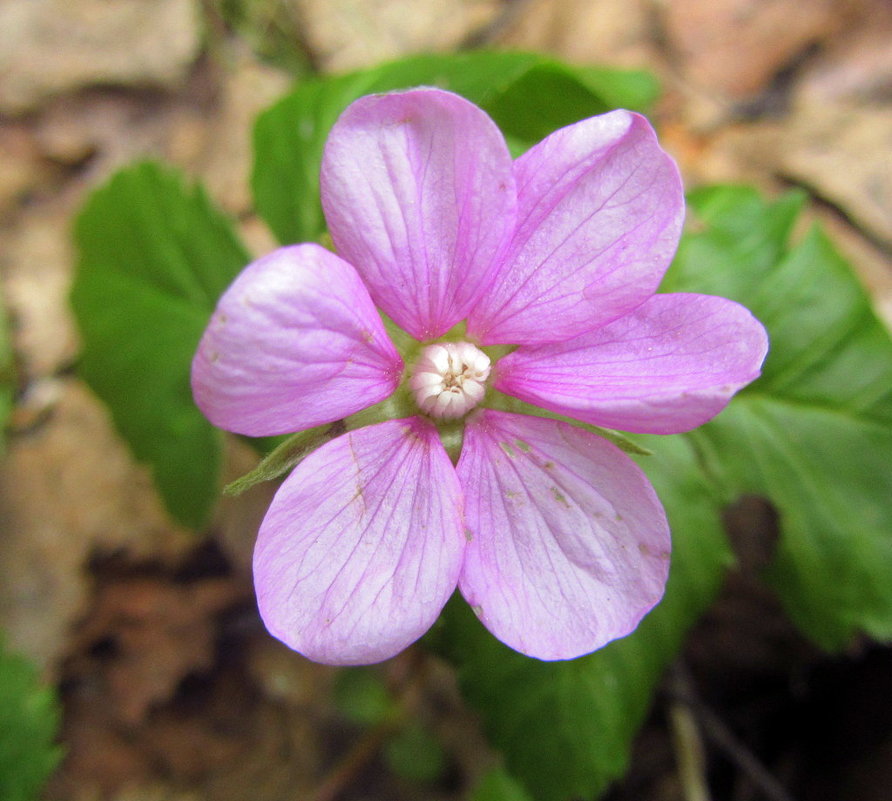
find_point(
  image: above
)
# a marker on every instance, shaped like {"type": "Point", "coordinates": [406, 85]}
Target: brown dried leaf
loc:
{"type": "Point", "coordinates": [736, 47]}
{"type": "Point", "coordinates": [48, 47]}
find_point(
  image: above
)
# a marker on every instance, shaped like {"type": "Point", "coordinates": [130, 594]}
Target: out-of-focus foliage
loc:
{"type": "Point", "coordinates": [529, 96]}
{"type": "Point", "coordinates": [497, 785]}
{"type": "Point", "coordinates": [272, 28]}
{"type": "Point", "coordinates": [154, 258]}
{"type": "Point", "coordinates": [565, 728]}
{"type": "Point", "coordinates": [814, 434]}
{"type": "Point", "coordinates": [361, 695]}
{"type": "Point", "coordinates": [415, 754]}
{"type": "Point", "coordinates": [29, 721]}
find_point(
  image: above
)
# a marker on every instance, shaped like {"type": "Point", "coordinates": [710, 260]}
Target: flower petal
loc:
{"type": "Point", "coordinates": [600, 209]}
{"type": "Point", "coordinates": [295, 342]}
{"type": "Point", "coordinates": [570, 545]}
{"type": "Point", "coordinates": [668, 366]}
{"type": "Point", "coordinates": [419, 195]}
{"type": "Point", "coordinates": [362, 545]}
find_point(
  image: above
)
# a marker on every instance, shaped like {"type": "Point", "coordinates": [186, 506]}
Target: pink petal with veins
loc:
{"type": "Point", "coordinates": [362, 545]}
{"type": "Point", "coordinates": [600, 209]}
{"type": "Point", "coordinates": [419, 195]}
{"type": "Point", "coordinates": [668, 366]}
{"type": "Point", "coordinates": [569, 544]}
{"type": "Point", "coordinates": [295, 342]}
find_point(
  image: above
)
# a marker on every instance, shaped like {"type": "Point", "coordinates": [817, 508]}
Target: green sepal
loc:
{"type": "Point", "coordinates": [612, 436]}
{"type": "Point", "coordinates": [407, 345]}
{"type": "Point", "coordinates": [397, 406]}
{"type": "Point", "coordinates": [506, 403]}
{"type": "Point", "coordinates": [286, 456]}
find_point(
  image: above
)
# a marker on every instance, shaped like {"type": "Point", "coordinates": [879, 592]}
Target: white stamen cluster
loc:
{"type": "Point", "coordinates": [449, 379]}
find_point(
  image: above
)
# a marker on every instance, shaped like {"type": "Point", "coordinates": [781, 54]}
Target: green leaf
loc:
{"type": "Point", "coordinates": [828, 475]}
{"type": "Point", "coordinates": [7, 376]}
{"type": "Point", "coordinates": [288, 140]}
{"type": "Point", "coordinates": [285, 456]}
{"type": "Point", "coordinates": [738, 235]}
{"type": "Point", "coordinates": [154, 258]}
{"type": "Point", "coordinates": [497, 785]}
{"type": "Point", "coordinates": [814, 434]}
{"type": "Point", "coordinates": [29, 722]}
{"type": "Point", "coordinates": [528, 95]}
{"type": "Point", "coordinates": [551, 95]}
{"type": "Point", "coordinates": [565, 728]}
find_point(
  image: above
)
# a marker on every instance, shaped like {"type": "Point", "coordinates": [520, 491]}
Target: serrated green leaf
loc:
{"type": "Point", "coordinates": [29, 722]}
{"type": "Point", "coordinates": [814, 434]}
{"type": "Point", "coordinates": [154, 257]}
{"type": "Point", "coordinates": [828, 476]}
{"type": "Point", "coordinates": [743, 238]}
{"type": "Point", "coordinates": [565, 728]}
{"type": "Point", "coordinates": [528, 95]}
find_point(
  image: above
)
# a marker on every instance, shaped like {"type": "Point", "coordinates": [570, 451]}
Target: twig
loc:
{"type": "Point", "coordinates": [715, 730]}
{"type": "Point", "coordinates": [411, 670]}
{"type": "Point", "coordinates": [356, 759]}
{"type": "Point", "coordinates": [688, 752]}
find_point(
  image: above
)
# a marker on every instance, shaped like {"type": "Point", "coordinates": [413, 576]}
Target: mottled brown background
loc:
{"type": "Point", "coordinates": [172, 690]}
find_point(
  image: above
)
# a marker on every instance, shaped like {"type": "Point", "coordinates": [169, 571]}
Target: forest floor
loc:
{"type": "Point", "coordinates": [171, 687]}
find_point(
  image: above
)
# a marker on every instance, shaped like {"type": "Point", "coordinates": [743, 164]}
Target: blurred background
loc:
{"type": "Point", "coordinates": [171, 688]}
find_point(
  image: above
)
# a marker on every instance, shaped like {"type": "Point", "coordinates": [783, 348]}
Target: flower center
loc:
{"type": "Point", "coordinates": [449, 379]}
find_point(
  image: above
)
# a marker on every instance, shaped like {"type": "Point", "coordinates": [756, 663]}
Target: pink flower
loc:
{"type": "Point", "coordinates": [551, 533]}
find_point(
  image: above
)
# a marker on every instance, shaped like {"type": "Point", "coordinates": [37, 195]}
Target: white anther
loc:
{"type": "Point", "coordinates": [449, 379]}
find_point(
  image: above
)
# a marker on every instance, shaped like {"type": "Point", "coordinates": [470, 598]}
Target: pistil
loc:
{"type": "Point", "coordinates": [449, 379]}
